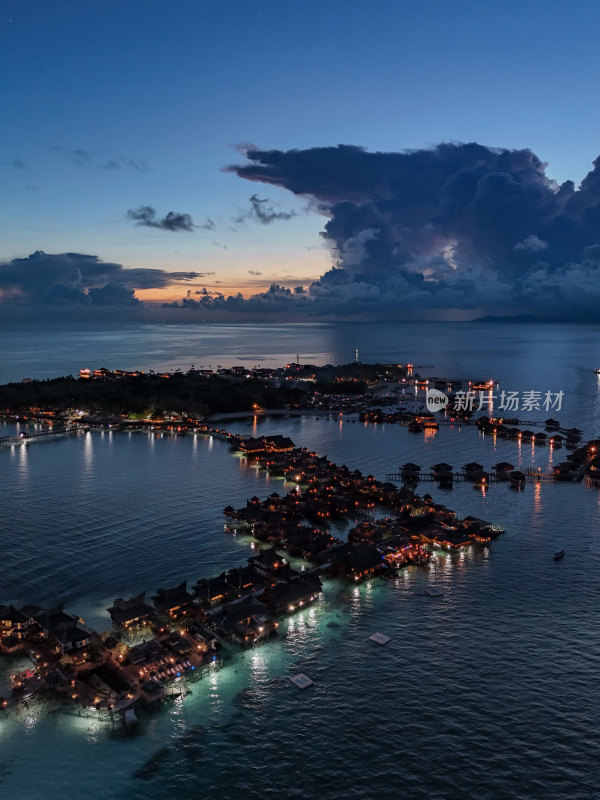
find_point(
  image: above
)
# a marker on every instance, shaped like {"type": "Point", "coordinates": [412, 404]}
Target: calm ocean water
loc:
{"type": "Point", "coordinates": [487, 692]}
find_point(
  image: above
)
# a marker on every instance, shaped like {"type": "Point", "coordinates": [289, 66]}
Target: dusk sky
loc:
{"type": "Point", "coordinates": [122, 119]}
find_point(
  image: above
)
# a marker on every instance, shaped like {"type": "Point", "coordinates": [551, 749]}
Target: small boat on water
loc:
{"type": "Point", "coordinates": [559, 555]}
{"type": "Point", "coordinates": [597, 370]}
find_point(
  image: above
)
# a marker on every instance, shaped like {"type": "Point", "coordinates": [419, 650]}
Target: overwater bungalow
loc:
{"type": "Point", "coordinates": [64, 630]}
{"type": "Point", "coordinates": [271, 565]}
{"type": "Point", "coordinates": [245, 621]}
{"type": "Point", "coordinates": [512, 433]}
{"type": "Point", "coordinates": [401, 550]}
{"type": "Point", "coordinates": [441, 468]}
{"type": "Point", "coordinates": [174, 602]}
{"type": "Point", "coordinates": [211, 592]}
{"type": "Point", "coordinates": [251, 445]}
{"type": "Point", "coordinates": [563, 472]}
{"type": "Point", "coordinates": [475, 526]}
{"type": "Point", "coordinates": [261, 444]}
{"type": "Point", "coordinates": [472, 468]}
{"type": "Point", "coordinates": [574, 433]}
{"type": "Point", "coordinates": [14, 622]}
{"type": "Point", "coordinates": [245, 579]}
{"type": "Point", "coordinates": [427, 421]}
{"type": "Point", "coordinates": [278, 444]}
{"type": "Point", "coordinates": [72, 637]}
{"type": "Point", "coordinates": [307, 542]}
{"type": "Point", "coordinates": [355, 560]}
{"type": "Point", "coordinates": [148, 653]}
{"type": "Point", "coordinates": [552, 424]}
{"type": "Point", "coordinates": [365, 531]}
{"type": "Point", "coordinates": [177, 644]}
{"type": "Point", "coordinates": [517, 479]}
{"type": "Point", "coordinates": [132, 612]}
{"type": "Point", "coordinates": [503, 469]}
{"type": "Point", "coordinates": [203, 636]}
{"type": "Point", "coordinates": [288, 596]}
{"type": "Point", "coordinates": [449, 539]}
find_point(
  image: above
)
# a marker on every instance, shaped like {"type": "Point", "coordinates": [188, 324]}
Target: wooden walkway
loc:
{"type": "Point", "coordinates": [55, 433]}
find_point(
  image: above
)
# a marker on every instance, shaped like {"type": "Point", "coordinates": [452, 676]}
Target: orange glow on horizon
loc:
{"type": "Point", "coordinates": [242, 286]}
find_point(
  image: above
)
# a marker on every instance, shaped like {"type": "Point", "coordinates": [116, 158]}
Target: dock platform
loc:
{"type": "Point", "coordinates": [301, 680]}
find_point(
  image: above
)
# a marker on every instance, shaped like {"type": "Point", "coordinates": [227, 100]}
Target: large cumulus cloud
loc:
{"type": "Point", "coordinates": [458, 225]}
{"type": "Point", "coordinates": [76, 278]}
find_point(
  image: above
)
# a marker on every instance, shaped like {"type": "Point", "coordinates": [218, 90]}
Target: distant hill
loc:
{"type": "Point", "coordinates": [516, 318]}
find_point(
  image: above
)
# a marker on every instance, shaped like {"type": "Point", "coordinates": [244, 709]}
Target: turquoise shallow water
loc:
{"type": "Point", "coordinates": [488, 692]}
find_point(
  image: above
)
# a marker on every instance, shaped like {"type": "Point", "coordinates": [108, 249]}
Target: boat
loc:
{"type": "Point", "coordinates": [597, 370]}
{"type": "Point", "coordinates": [559, 555]}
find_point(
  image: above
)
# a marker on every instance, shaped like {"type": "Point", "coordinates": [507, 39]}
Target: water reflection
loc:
{"type": "Point", "coordinates": [355, 602]}
{"type": "Point", "coordinates": [23, 460]}
{"type": "Point", "coordinates": [88, 451]}
{"type": "Point", "coordinates": [537, 496]}
{"type": "Point", "coordinates": [258, 666]}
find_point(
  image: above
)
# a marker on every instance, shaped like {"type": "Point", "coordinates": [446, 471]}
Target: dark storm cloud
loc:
{"type": "Point", "coordinates": [260, 211]}
{"type": "Point", "coordinates": [76, 278]}
{"type": "Point", "coordinates": [458, 225]}
{"type": "Point", "coordinates": [173, 221]}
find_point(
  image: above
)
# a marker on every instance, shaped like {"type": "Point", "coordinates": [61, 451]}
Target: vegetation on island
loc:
{"type": "Point", "coordinates": [194, 393]}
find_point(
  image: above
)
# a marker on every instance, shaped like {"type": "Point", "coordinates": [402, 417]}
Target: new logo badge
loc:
{"type": "Point", "coordinates": [436, 401]}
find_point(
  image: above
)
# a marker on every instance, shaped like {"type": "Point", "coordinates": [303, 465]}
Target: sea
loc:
{"type": "Point", "coordinates": [488, 692]}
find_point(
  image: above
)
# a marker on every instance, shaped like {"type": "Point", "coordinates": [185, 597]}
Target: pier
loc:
{"type": "Point", "coordinates": [42, 436]}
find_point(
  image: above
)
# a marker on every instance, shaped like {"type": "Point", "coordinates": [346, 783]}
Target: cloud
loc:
{"type": "Point", "coordinates": [77, 279]}
{"type": "Point", "coordinates": [173, 221]}
{"type": "Point", "coordinates": [96, 160]}
{"type": "Point", "coordinates": [263, 213]}
{"type": "Point", "coordinates": [18, 164]}
{"type": "Point", "coordinates": [454, 226]}
{"type": "Point", "coordinates": [532, 243]}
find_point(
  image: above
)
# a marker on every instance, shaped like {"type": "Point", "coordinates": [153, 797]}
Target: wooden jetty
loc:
{"type": "Point", "coordinates": [55, 433]}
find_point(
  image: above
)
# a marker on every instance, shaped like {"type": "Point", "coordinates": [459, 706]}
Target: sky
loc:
{"type": "Point", "coordinates": [122, 122]}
